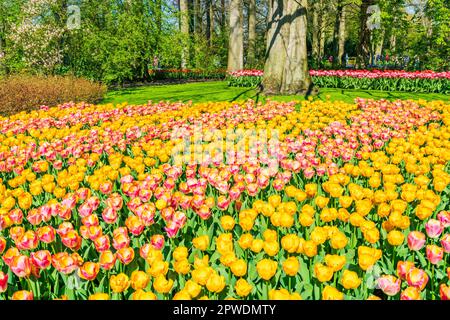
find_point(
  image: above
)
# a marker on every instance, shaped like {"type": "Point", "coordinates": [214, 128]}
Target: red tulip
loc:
{"type": "Point", "coordinates": [2, 244]}
{"type": "Point", "coordinates": [3, 282]}
{"type": "Point", "coordinates": [46, 234]}
{"type": "Point", "coordinates": [41, 259]}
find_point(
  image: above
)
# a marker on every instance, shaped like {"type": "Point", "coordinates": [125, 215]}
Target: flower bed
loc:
{"type": "Point", "coordinates": [186, 74]}
{"type": "Point", "coordinates": [424, 82]}
{"type": "Point", "coordinates": [335, 201]}
{"type": "Point", "coordinates": [244, 78]}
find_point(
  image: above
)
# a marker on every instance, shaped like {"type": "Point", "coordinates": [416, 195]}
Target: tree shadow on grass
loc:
{"type": "Point", "coordinates": [243, 93]}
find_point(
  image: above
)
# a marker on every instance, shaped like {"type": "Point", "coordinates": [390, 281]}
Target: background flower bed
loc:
{"type": "Point", "coordinates": [186, 74]}
{"type": "Point", "coordinates": [422, 82]}
{"type": "Point", "coordinates": [25, 93]}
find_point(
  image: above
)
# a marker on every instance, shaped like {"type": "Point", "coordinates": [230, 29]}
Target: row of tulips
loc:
{"type": "Point", "coordinates": [244, 78]}
{"type": "Point", "coordinates": [387, 80]}
{"type": "Point", "coordinates": [351, 203]}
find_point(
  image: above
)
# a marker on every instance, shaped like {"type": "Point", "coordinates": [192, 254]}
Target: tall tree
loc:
{"type": "Point", "coordinates": [315, 30]}
{"type": "Point", "coordinates": [339, 36]}
{"type": "Point", "coordinates": [184, 26]}
{"type": "Point", "coordinates": [286, 68]}
{"type": "Point", "coordinates": [252, 32]}
{"type": "Point", "coordinates": [209, 21]}
{"type": "Point", "coordinates": [236, 45]}
{"type": "Point", "coordinates": [363, 49]}
{"type": "Point", "coordinates": [198, 17]}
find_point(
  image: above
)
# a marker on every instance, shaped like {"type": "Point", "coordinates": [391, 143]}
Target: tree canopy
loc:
{"type": "Point", "coordinates": [120, 40]}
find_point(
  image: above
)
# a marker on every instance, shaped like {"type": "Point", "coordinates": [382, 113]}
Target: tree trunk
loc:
{"type": "Point", "coordinates": [236, 47]}
{"type": "Point", "coordinates": [363, 49]}
{"type": "Point", "coordinates": [198, 20]}
{"type": "Point", "coordinates": [342, 36]}
{"type": "Point", "coordinates": [315, 31]}
{"type": "Point", "coordinates": [322, 37]}
{"type": "Point", "coordinates": [252, 33]}
{"type": "Point", "coordinates": [339, 34]}
{"type": "Point", "coordinates": [184, 26]}
{"type": "Point", "coordinates": [286, 68]}
{"type": "Point", "coordinates": [208, 21]}
{"type": "Point", "coordinates": [211, 22]}
{"type": "Point", "coordinates": [336, 29]}
{"type": "Point", "coordinates": [296, 78]}
{"type": "Point", "coordinates": [223, 16]}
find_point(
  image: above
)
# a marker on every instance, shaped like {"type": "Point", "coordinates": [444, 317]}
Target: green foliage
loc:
{"type": "Point", "coordinates": [118, 40]}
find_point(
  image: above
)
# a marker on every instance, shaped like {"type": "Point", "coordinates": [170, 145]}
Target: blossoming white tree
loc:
{"type": "Point", "coordinates": [39, 35]}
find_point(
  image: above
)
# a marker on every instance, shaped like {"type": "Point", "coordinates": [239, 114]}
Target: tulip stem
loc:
{"type": "Point", "coordinates": [290, 285]}
{"type": "Point", "coordinates": [30, 286]}
{"type": "Point", "coordinates": [432, 282]}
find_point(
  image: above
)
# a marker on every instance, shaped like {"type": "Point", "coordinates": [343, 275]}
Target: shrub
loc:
{"type": "Point", "coordinates": [25, 92]}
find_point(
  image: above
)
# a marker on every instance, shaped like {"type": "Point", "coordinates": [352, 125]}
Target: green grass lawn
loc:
{"type": "Point", "coordinates": [219, 91]}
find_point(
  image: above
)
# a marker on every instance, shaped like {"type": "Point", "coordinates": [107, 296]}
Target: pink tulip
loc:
{"type": "Point", "coordinates": [417, 278]}
{"type": "Point", "coordinates": [390, 285]}
{"type": "Point", "coordinates": [445, 242]}
{"type": "Point", "coordinates": [444, 218]}
{"type": "Point", "coordinates": [21, 266]}
{"type": "Point", "coordinates": [434, 253]}
{"type": "Point", "coordinates": [434, 228]}
{"type": "Point", "coordinates": [41, 259]}
{"type": "Point", "coordinates": [416, 240]}
{"type": "Point", "coordinates": [157, 241]}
